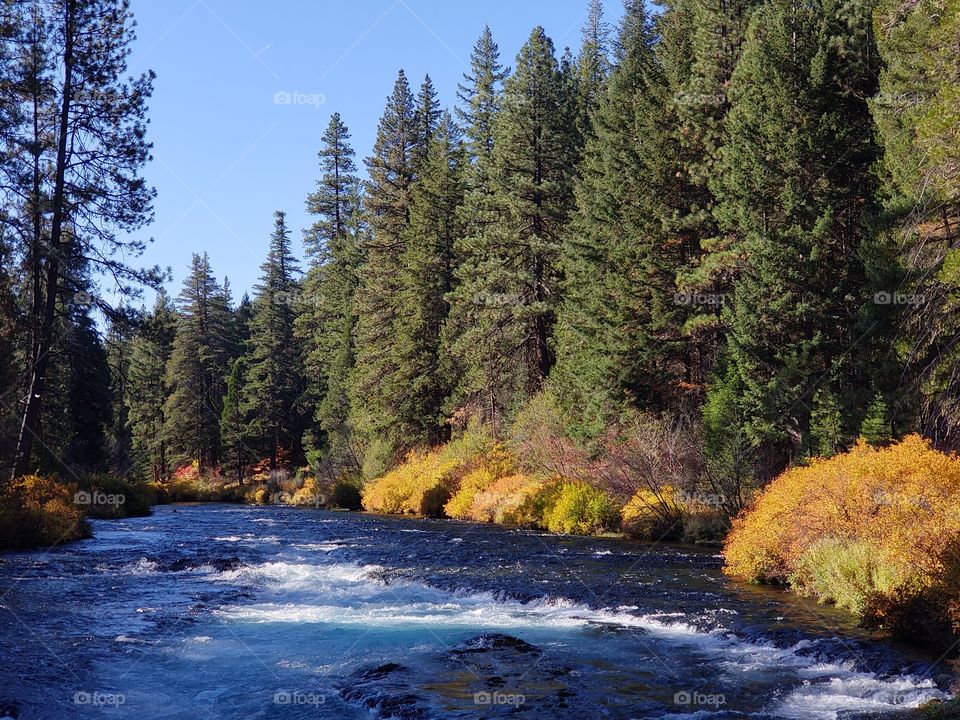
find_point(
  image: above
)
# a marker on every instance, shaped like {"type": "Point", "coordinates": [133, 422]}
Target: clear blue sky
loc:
{"type": "Point", "coordinates": [226, 155]}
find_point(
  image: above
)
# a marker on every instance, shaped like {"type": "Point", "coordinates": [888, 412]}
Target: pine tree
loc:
{"type": "Point", "coordinates": [196, 371]}
{"type": "Point", "coordinates": [701, 44]}
{"type": "Point", "coordinates": [593, 65]}
{"type": "Point", "coordinates": [274, 375]}
{"type": "Point", "coordinates": [916, 112]}
{"type": "Point", "coordinates": [875, 428]}
{"type": "Point", "coordinates": [421, 381]}
{"type": "Point", "coordinates": [426, 119]}
{"type": "Point", "coordinates": [146, 390]}
{"type": "Point", "coordinates": [797, 187]}
{"type": "Point", "coordinates": [618, 337]}
{"type": "Point", "coordinates": [324, 325]}
{"type": "Point", "coordinates": [509, 276]}
{"type": "Point", "coordinates": [236, 431]}
{"type": "Point", "coordinates": [392, 169]}
{"type": "Point", "coordinates": [826, 424]}
{"type": "Point", "coordinates": [479, 99]}
{"type": "Point", "coordinates": [83, 146]}
{"type": "Point", "coordinates": [729, 454]}
{"type": "Point", "coordinates": [480, 96]}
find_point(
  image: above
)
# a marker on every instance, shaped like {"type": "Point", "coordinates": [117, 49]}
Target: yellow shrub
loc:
{"type": "Point", "coordinates": [494, 499]}
{"type": "Point", "coordinates": [258, 496]}
{"type": "Point", "coordinates": [426, 482]}
{"type": "Point", "coordinates": [310, 493]}
{"type": "Point", "coordinates": [489, 463]}
{"type": "Point", "coordinates": [39, 510]}
{"type": "Point", "coordinates": [581, 509]}
{"type": "Point", "coordinates": [895, 509]}
{"type": "Point", "coordinates": [413, 485]}
{"type": "Point", "coordinates": [474, 482]}
{"type": "Point", "coordinates": [653, 515]}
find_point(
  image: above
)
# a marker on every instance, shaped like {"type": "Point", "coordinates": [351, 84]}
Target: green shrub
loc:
{"type": "Point", "coordinates": [847, 573]}
{"type": "Point", "coordinates": [124, 498]}
{"type": "Point", "coordinates": [346, 495]}
{"type": "Point", "coordinates": [706, 528]}
{"type": "Point", "coordinates": [581, 509]}
{"type": "Point", "coordinates": [940, 710]}
{"type": "Point", "coordinates": [378, 458]}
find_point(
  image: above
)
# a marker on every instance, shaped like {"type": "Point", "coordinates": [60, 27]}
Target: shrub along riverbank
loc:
{"type": "Point", "coordinates": [874, 530]}
{"type": "Point", "coordinates": [38, 511]}
{"type": "Point", "coordinates": [645, 479]}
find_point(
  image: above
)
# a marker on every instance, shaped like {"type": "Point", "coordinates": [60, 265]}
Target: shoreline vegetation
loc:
{"type": "Point", "coordinates": [874, 531]}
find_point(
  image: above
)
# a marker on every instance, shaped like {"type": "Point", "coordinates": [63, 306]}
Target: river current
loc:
{"type": "Point", "coordinates": [223, 611]}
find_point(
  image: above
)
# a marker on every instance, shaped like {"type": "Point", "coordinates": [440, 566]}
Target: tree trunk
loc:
{"type": "Point", "coordinates": [30, 425]}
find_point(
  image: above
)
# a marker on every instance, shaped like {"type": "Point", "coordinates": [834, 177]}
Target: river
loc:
{"type": "Point", "coordinates": [225, 611]}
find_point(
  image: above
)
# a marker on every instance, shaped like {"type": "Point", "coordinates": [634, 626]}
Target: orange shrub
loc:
{"type": "Point", "coordinates": [872, 529]}
{"type": "Point", "coordinates": [498, 499]}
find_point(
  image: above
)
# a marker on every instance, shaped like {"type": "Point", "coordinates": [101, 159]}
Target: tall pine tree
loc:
{"type": "Point", "coordinates": [274, 374]}
{"type": "Point", "coordinates": [392, 169]}
{"type": "Point", "coordinates": [146, 390]}
{"type": "Point", "coordinates": [325, 323]}
{"type": "Point", "coordinates": [196, 371]}
{"type": "Point", "coordinates": [798, 190]}
{"type": "Point", "coordinates": [422, 380]}
{"type": "Point", "coordinates": [509, 277]}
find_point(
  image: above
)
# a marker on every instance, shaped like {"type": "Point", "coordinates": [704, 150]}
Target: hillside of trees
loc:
{"type": "Point", "coordinates": [739, 218]}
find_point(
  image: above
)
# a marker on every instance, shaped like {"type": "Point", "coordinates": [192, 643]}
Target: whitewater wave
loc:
{"type": "Point", "coordinates": [342, 594]}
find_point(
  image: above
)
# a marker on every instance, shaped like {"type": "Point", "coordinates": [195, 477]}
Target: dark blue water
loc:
{"type": "Point", "coordinates": [243, 612]}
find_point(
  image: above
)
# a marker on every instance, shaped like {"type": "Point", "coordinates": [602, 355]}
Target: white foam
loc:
{"type": "Point", "coordinates": [342, 594]}
{"type": "Point", "coordinates": [143, 566]}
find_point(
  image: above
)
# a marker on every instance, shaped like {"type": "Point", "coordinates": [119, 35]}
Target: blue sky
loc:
{"type": "Point", "coordinates": [226, 155]}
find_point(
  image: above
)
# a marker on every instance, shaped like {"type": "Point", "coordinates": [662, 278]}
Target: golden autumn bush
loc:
{"type": "Point", "coordinates": [581, 509]}
{"type": "Point", "coordinates": [509, 500]}
{"type": "Point", "coordinates": [426, 480]}
{"type": "Point", "coordinates": [653, 515]}
{"type": "Point", "coordinates": [875, 530]}
{"type": "Point", "coordinates": [36, 511]}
